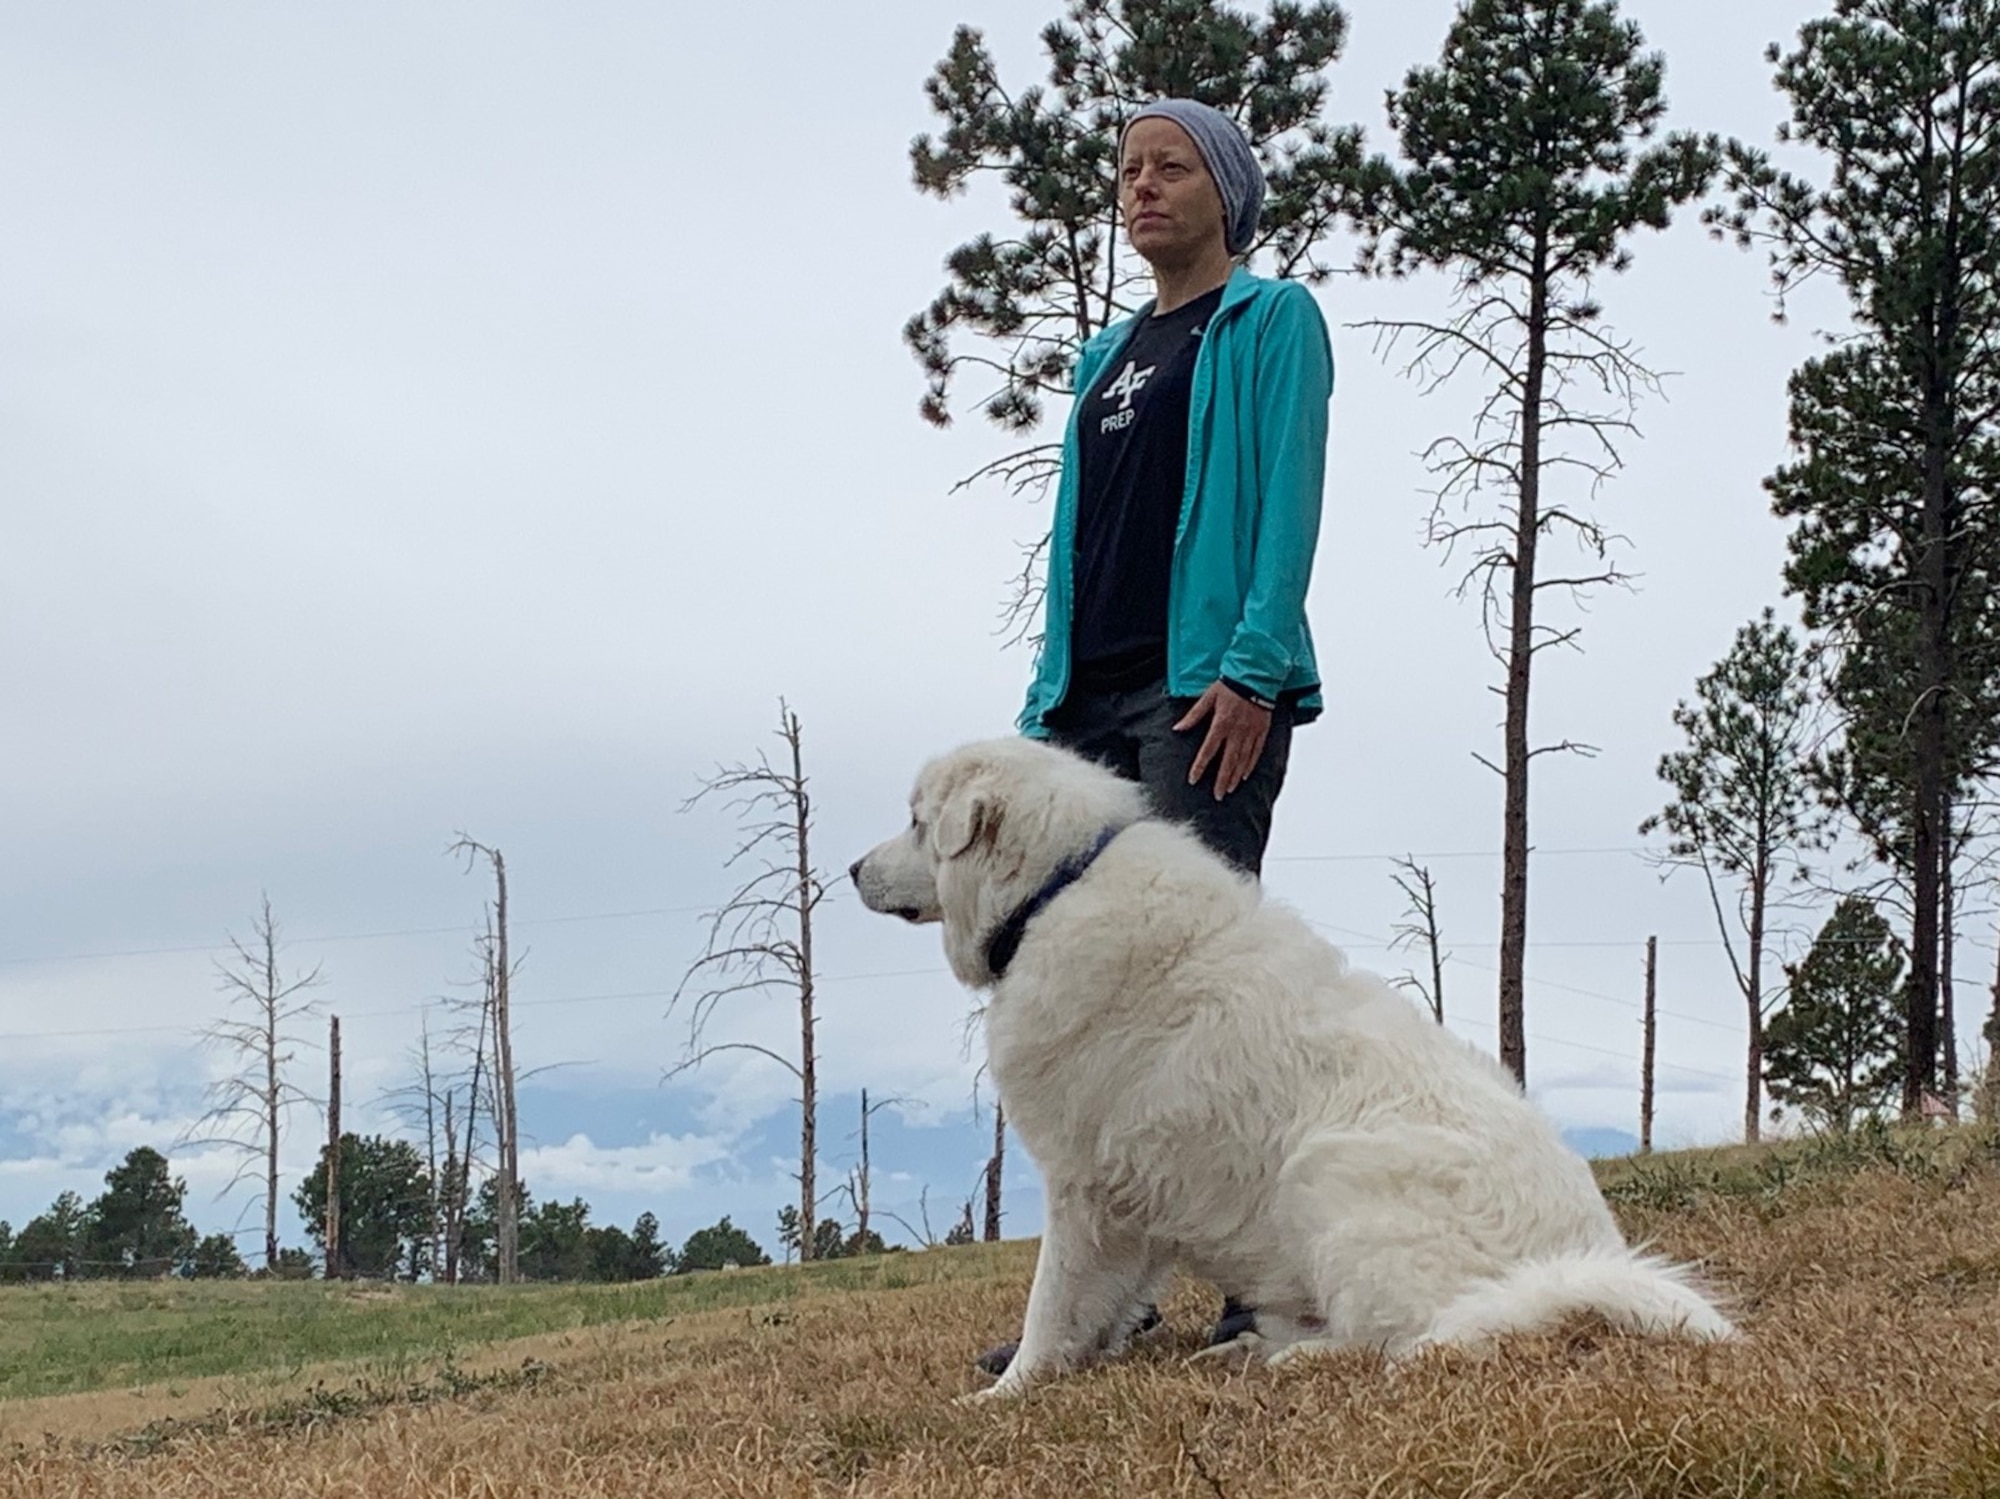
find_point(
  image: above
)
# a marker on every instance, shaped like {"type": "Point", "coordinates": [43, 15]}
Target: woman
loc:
{"type": "Point", "coordinates": [1175, 648]}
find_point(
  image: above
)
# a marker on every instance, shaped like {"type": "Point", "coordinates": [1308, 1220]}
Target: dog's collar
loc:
{"type": "Point", "coordinates": [1006, 941]}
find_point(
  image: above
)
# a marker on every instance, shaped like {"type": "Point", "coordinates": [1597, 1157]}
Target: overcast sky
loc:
{"type": "Point", "coordinates": [424, 418]}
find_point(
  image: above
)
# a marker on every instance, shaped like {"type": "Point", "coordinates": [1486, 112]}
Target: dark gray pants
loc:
{"type": "Point", "coordinates": [1132, 733]}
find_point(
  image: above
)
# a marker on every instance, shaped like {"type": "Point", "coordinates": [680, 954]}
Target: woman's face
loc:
{"type": "Point", "coordinates": [1171, 206]}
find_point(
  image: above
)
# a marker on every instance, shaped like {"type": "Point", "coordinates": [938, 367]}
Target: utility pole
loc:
{"type": "Point", "coordinates": [333, 1252]}
{"type": "Point", "coordinates": [1646, 1065]}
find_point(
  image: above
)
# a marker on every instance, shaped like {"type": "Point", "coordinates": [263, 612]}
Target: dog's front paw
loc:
{"type": "Point", "coordinates": [996, 1393]}
{"type": "Point", "coordinates": [1246, 1348]}
{"type": "Point", "coordinates": [1305, 1351]}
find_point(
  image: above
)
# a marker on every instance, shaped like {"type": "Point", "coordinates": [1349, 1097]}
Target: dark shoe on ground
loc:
{"type": "Point", "coordinates": [995, 1360]}
{"type": "Point", "coordinates": [1236, 1320]}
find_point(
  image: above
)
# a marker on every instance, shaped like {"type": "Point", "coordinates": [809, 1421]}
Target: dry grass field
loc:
{"type": "Point", "coordinates": [1867, 1278]}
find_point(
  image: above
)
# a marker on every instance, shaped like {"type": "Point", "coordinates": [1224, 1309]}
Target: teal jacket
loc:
{"type": "Point", "coordinates": [1256, 465]}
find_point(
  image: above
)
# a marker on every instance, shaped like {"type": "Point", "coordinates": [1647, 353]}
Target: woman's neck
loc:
{"type": "Point", "coordinates": [1177, 285]}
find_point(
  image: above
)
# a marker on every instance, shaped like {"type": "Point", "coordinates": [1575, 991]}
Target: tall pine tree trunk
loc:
{"type": "Point", "coordinates": [1520, 657]}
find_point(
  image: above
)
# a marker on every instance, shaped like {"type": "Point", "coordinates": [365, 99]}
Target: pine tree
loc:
{"type": "Point", "coordinates": [216, 1257]}
{"type": "Point", "coordinates": [1529, 162]}
{"type": "Point", "coordinates": [1894, 428]}
{"type": "Point", "coordinates": [1833, 1050]}
{"type": "Point", "coordinates": [1017, 305]}
{"type": "Point", "coordinates": [717, 1247]}
{"type": "Point", "coordinates": [50, 1246]}
{"type": "Point", "coordinates": [1743, 803]}
{"type": "Point", "coordinates": [650, 1257]}
{"type": "Point", "coordinates": [385, 1206]}
{"type": "Point", "coordinates": [136, 1226]}
{"type": "Point", "coordinates": [556, 1242]}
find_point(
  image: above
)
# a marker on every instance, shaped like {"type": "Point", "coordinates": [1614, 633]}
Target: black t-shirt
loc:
{"type": "Point", "coordinates": [1132, 441]}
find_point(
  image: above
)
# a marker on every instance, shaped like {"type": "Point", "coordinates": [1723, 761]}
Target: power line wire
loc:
{"type": "Point", "coordinates": [330, 938]}
{"type": "Point", "coordinates": [334, 937]}
{"type": "Point", "coordinates": [1614, 999]}
{"type": "Point", "coordinates": [445, 1002]}
{"type": "Point", "coordinates": [1601, 1051]}
{"type": "Point", "coordinates": [445, 931]}
{"type": "Point", "coordinates": [1359, 858]}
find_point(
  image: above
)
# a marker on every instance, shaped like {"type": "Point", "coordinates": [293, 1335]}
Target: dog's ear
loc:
{"type": "Point", "coordinates": [969, 818]}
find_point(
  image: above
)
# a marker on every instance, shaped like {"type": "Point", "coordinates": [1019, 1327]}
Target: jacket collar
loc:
{"type": "Point", "coordinates": [1006, 940]}
{"type": "Point", "coordinates": [1240, 287]}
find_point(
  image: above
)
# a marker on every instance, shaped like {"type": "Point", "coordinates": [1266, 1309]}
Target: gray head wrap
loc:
{"type": "Point", "coordinates": [1229, 160]}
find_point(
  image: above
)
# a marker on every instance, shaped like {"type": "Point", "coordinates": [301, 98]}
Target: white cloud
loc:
{"type": "Point", "coordinates": [663, 1164]}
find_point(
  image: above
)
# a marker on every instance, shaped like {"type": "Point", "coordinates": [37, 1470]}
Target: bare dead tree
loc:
{"type": "Point", "coordinates": [856, 1188]}
{"type": "Point", "coordinates": [247, 1110]}
{"type": "Point", "coordinates": [961, 1231]}
{"type": "Point", "coordinates": [461, 1110]}
{"type": "Point", "coordinates": [1420, 889]}
{"type": "Point", "coordinates": [861, 1192]}
{"type": "Point", "coordinates": [994, 1166]}
{"type": "Point", "coordinates": [921, 1231]}
{"type": "Point", "coordinates": [459, 1152]}
{"type": "Point", "coordinates": [506, 1133]}
{"type": "Point", "coordinates": [761, 938]}
{"type": "Point", "coordinates": [424, 1104]}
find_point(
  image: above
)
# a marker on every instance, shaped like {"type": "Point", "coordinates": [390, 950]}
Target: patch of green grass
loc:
{"type": "Point", "coordinates": [1678, 1180]}
{"type": "Point", "coordinates": [95, 1335]}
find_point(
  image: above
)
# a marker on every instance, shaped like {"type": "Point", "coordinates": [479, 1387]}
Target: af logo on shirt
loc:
{"type": "Point", "coordinates": [1131, 380]}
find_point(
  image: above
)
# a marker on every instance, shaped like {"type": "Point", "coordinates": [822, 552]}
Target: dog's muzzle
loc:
{"type": "Point", "coordinates": [909, 913]}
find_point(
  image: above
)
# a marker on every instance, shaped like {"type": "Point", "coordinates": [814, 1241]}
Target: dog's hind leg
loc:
{"type": "Point", "coordinates": [1090, 1281]}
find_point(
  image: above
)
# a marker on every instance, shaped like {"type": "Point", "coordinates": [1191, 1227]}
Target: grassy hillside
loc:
{"type": "Point", "coordinates": [99, 1335]}
{"type": "Point", "coordinates": [1867, 1277]}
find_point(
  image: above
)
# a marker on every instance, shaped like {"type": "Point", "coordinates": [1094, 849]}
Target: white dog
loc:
{"type": "Point", "coordinates": [1206, 1084]}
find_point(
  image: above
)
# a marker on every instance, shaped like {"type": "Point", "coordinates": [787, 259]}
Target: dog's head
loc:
{"type": "Point", "coordinates": [988, 824]}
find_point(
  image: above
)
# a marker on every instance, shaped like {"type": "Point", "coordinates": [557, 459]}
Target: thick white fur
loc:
{"type": "Point", "coordinates": [1206, 1084]}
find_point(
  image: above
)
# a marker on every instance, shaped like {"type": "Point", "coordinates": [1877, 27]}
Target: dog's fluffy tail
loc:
{"type": "Point", "coordinates": [1634, 1292]}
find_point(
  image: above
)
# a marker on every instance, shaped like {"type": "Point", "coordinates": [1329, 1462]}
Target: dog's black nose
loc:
{"type": "Point", "coordinates": [854, 871]}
